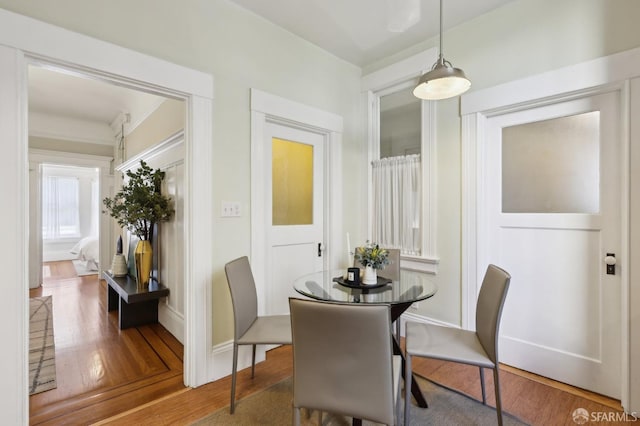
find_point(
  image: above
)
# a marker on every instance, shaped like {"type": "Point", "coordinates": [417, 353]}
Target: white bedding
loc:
{"type": "Point", "coordinates": [87, 250]}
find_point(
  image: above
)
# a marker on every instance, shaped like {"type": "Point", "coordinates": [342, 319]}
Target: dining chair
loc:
{"type": "Point", "coordinates": [479, 347]}
{"type": "Point", "coordinates": [343, 360]}
{"type": "Point", "coordinates": [249, 328]}
{"type": "Point", "coordinates": [391, 271]}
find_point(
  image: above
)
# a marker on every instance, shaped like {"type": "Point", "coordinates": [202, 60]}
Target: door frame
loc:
{"type": "Point", "coordinates": [268, 108]}
{"type": "Point", "coordinates": [566, 83]}
{"type": "Point", "coordinates": [24, 41]}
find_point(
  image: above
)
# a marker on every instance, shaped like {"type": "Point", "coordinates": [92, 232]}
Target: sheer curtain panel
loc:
{"type": "Point", "coordinates": [60, 207]}
{"type": "Point", "coordinates": [396, 203]}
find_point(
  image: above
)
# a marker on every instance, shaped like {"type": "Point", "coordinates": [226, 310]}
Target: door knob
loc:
{"type": "Point", "coordinates": [610, 260]}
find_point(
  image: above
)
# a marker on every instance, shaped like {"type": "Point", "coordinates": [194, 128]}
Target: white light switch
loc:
{"type": "Point", "coordinates": [231, 209]}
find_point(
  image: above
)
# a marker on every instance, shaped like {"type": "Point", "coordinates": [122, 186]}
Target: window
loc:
{"type": "Point", "coordinates": [402, 166]}
{"type": "Point", "coordinates": [397, 175]}
{"type": "Point", "coordinates": [60, 207]}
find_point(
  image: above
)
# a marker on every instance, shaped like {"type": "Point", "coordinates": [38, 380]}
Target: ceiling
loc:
{"type": "Point", "coordinates": [83, 106]}
{"type": "Point", "coordinates": [359, 31]}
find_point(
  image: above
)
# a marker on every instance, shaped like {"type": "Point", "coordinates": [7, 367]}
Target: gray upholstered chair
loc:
{"type": "Point", "coordinates": [478, 347]}
{"type": "Point", "coordinates": [250, 329]}
{"type": "Point", "coordinates": [343, 360]}
{"type": "Point", "coordinates": [391, 271]}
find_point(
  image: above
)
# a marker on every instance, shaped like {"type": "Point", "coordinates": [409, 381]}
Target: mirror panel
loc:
{"type": "Point", "coordinates": [400, 124]}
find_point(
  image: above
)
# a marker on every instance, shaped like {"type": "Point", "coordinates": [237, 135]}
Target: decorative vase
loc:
{"type": "Point", "coordinates": [119, 266]}
{"type": "Point", "coordinates": [370, 275]}
{"type": "Point", "coordinates": [143, 256]}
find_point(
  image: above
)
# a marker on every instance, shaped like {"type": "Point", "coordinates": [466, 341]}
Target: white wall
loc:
{"type": "Point", "coordinates": [242, 51]}
{"type": "Point", "coordinates": [523, 38]}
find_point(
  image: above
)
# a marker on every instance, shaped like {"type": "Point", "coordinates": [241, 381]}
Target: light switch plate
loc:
{"type": "Point", "coordinates": [231, 209]}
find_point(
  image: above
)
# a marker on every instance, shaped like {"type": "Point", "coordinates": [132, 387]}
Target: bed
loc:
{"type": "Point", "coordinates": [87, 251]}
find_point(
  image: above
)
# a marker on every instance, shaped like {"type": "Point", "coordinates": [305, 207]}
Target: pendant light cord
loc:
{"type": "Point", "coordinates": [440, 56]}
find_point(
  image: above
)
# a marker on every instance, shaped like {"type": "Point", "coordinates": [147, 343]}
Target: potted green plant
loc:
{"type": "Point", "coordinates": [138, 206]}
{"type": "Point", "coordinates": [372, 257]}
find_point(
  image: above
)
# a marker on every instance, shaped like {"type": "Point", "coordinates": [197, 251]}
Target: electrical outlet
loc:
{"type": "Point", "coordinates": [231, 209]}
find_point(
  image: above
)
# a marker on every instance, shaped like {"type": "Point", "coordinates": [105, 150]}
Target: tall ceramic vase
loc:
{"type": "Point", "coordinates": [370, 276]}
{"type": "Point", "coordinates": [143, 258]}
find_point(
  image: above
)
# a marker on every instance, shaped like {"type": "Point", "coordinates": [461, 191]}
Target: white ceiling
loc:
{"type": "Point", "coordinates": [358, 30]}
{"type": "Point", "coordinates": [67, 106]}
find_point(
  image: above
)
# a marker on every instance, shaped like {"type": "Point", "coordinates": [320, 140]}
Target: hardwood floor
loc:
{"type": "Point", "coordinates": [145, 393]}
{"type": "Point", "coordinates": [534, 400]}
{"type": "Point", "coordinates": [100, 369]}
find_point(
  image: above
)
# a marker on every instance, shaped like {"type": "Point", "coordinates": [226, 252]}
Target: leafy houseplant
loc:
{"type": "Point", "coordinates": [372, 257]}
{"type": "Point", "coordinates": [138, 206]}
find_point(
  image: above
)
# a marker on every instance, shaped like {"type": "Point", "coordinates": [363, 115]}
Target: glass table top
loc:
{"type": "Point", "coordinates": [411, 287]}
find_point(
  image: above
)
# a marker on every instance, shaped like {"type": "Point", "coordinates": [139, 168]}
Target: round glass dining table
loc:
{"type": "Point", "coordinates": [329, 285]}
{"type": "Point", "coordinates": [412, 287]}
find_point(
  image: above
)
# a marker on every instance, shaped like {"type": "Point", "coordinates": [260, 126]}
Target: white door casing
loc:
{"type": "Point", "coordinates": [269, 109]}
{"type": "Point", "coordinates": [561, 318]}
{"type": "Point", "coordinates": [296, 249]}
{"type": "Point", "coordinates": [25, 39]}
{"type": "Point", "coordinates": [568, 82]}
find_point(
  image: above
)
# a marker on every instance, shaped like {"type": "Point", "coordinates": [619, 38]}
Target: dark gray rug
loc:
{"type": "Point", "coordinates": [42, 363]}
{"type": "Point", "coordinates": [273, 407]}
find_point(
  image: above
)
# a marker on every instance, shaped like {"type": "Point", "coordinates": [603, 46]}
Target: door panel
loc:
{"type": "Point", "coordinates": [295, 208]}
{"type": "Point", "coordinates": [554, 212]}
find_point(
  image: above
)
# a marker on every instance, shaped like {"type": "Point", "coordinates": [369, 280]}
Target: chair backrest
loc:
{"type": "Point", "coordinates": [342, 359]}
{"type": "Point", "coordinates": [392, 270]}
{"type": "Point", "coordinates": [243, 294]}
{"type": "Point", "coordinates": [489, 308]}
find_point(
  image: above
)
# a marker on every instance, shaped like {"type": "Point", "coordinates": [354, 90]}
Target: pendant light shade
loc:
{"type": "Point", "coordinates": [443, 81]}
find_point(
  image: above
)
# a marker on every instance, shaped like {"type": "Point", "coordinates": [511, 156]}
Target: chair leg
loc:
{"type": "Point", "coordinates": [484, 394]}
{"type": "Point", "coordinates": [398, 329]}
{"type": "Point", "coordinates": [496, 384]}
{"type": "Point", "coordinates": [253, 361]}
{"type": "Point", "coordinates": [407, 387]}
{"type": "Point", "coordinates": [233, 378]}
{"type": "Point", "coordinates": [296, 416]}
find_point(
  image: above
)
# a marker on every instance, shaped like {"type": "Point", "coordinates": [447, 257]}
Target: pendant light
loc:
{"type": "Point", "coordinates": [443, 81]}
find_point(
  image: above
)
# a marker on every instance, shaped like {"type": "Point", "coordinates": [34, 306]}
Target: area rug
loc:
{"type": "Point", "coordinates": [81, 268]}
{"type": "Point", "coordinates": [273, 407]}
{"type": "Point", "coordinates": [42, 363]}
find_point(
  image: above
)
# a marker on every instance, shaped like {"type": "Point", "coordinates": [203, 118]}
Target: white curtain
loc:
{"type": "Point", "coordinates": [396, 203]}
{"type": "Point", "coordinates": [60, 207]}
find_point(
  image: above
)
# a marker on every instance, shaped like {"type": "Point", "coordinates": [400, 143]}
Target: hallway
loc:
{"type": "Point", "coordinates": [101, 370]}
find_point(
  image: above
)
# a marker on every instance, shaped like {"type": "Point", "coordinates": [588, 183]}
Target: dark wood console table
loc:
{"type": "Point", "coordinates": [135, 306]}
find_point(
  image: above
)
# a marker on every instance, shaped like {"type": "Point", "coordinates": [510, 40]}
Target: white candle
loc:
{"type": "Point", "coordinates": [349, 260]}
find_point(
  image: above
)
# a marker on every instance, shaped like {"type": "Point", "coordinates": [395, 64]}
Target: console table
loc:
{"type": "Point", "coordinates": [135, 306]}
